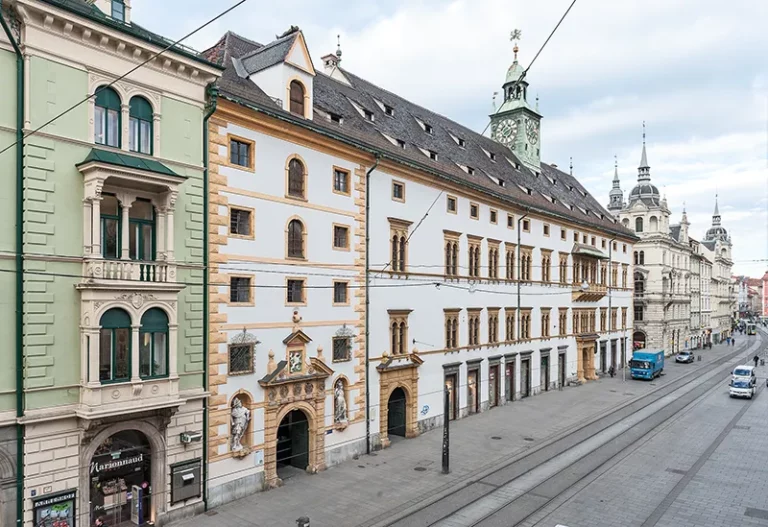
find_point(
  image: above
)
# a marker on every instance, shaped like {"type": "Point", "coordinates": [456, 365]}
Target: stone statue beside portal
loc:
{"type": "Point", "coordinates": [241, 416]}
{"type": "Point", "coordinates": [340, 403]}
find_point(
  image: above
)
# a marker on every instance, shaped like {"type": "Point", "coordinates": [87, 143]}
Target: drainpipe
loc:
{"type": "Point", "coordinates": [368, 303]}
{"type": "Point", "coordinates": [519, 268]}
{"type": "Point", "coordinates": [213, 94]}
{"type": "Point", "coordinates": [19, 270]}
{"type": "Point", "coordinates": [609, 270]}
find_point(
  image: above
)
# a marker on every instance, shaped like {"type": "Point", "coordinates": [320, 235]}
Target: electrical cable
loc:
{"type": "Point", "coordinates": [121, 77]}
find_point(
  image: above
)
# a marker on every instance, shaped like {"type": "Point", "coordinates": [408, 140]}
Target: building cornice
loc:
{"type": "Point", "coordinates": [57, 21]}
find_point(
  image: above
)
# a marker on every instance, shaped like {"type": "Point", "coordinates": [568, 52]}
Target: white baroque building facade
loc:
{"type": "Point", "coordinates": [369, 256]}
{"type": "Point", "coordinates": [681, 298]}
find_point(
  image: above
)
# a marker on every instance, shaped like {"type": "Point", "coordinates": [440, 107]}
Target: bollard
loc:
{"type": "Point", "coordinates": [699, 358]}
{"type": "Point", "coordinates": [303, 522]}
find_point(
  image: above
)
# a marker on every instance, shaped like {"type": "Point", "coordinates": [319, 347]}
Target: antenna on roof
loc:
{"type": "Point", "coordinates": [338, 49]}
{"type": "Point", "coordinates": [571, 165]}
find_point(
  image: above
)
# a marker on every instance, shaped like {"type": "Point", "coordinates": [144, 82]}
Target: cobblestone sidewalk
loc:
{"type": "Point", "coordinates": [372, 488]}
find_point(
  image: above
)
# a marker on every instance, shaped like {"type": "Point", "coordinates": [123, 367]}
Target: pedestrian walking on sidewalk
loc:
{"type": "Point", "coordinates": [733, 342]}
{"type": "Point", "coordinates": [612, 371]}
{"type": "Point", "coordinates": [756, 359]}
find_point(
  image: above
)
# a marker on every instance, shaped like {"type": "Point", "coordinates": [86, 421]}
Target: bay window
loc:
{"type": "Point", "coordinates": [115, 347]}
{"type": "Point", "coordinates": [153, 344]}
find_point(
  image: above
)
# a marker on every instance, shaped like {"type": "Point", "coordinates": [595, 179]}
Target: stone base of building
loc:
{"type": "Point", "coordinates": [236, 489]}
{"type": "Point", "coordinates": [100, 467]}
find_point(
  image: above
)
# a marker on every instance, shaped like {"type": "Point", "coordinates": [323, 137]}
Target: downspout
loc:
{"type": "Point", "coordinates": [368, 303]}
{"type": "Point", "coordinates": [19, 270]}
{"type": "Point", "coordinates": [519, 268]}
{"type": "Point", "coordinates": [213, 94]}
{"type": "Point", "coordinates": [609, 282]}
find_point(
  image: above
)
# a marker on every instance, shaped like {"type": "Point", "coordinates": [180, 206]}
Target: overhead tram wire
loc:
{"type": "Point", "coordinates": [121, 77]}
{"type": "Point", "coordinates": [525, 71]}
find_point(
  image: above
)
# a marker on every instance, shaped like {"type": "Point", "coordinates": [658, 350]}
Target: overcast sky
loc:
{"type": "Point", "coordinates": [695, 70]}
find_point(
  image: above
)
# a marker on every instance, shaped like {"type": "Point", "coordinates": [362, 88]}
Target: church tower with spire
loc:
{"type": "Point", "coordinates": [516, 124]}
{"type": "Point", "coordinates": [616, 195]}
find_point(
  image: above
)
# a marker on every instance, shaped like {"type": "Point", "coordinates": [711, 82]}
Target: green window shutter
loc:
{"type": "Point", "coordinates": [116, 318]}
{"type": "Point", "coordinates": [141, 109]}
{"type": "Point", "coordinates": [108, 98]}
{"type": "Point", "coordinates": [154, 320]}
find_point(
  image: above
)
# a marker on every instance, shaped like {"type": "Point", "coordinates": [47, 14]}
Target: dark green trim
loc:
{"type": "Point", "coordinates": [113, 320]}
{"type": "Point", "coordinates": [384, 154]}
{"type": "Point", "coordinates": [19, 344]}
{"type": "Point", "coordinates": [213, 98]}
{"type": "Point", "coordinates": [81, 8]}
{"type": "Point", "coordinates": [109, 101]}
{"type": "Point", "coordinates": [121, 159]}
{"type": "Point", "coordinates": [153, 322]}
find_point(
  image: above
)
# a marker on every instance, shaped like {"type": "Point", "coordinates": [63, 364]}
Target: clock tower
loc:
{"type": "Point", "coordinates": [515, 123]}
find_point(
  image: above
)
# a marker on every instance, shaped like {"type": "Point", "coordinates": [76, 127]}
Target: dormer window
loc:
{"type": "Point", "coordinates": [432, 155]}
{"type": "Point", "coordinates": [118, 10]}
{"type": "Point", "coordinates": [297, 98]}
{"type": "Point", "coordinates": [388, 110]}
{"type": "Point", "coordinates": [428, 128]}
{"type": "Point", "coordinates": [334, 117]}
{"type": "Point", "coordinates": [368, 115]}
{"type": "Point", "coordinates": [492, 156]}
{"type": "Point", "coordinates": [400, 143]}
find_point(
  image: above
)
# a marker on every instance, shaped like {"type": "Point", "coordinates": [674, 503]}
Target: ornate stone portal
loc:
{"type": "Point", "coordinates": [586, 347]}
{"type": "Point", "coordinates": [398, 371]}
{"type": "Point", "coordinates": [294, 383]}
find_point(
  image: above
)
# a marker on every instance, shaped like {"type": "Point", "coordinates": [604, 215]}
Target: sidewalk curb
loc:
{"type": "Point", "coordinates": [491, 468]}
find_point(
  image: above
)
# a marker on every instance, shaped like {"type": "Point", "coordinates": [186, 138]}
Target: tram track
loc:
{"type": "Point", "coordinates": [513, 492]}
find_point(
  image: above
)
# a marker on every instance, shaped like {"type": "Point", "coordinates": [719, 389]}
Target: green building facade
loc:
{"type": "Point", "coordinates": [111, 245]}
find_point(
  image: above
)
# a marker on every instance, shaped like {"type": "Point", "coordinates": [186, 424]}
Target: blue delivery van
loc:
{"type": "Point", "coordinates": [647, 364]}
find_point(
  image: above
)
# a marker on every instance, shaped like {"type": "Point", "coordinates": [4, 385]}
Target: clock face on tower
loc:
{"type": "Point", "coordinates": [532, 131]}
{"type": "Point", "coordinates": [506, 131]}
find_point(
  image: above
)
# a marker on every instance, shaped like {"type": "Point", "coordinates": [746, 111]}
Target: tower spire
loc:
{"type": "Point", "coordinates": [571, 165]}
{"type": "Point", "coordinates": [616, 196]}
{"type": "Point", "coordinates": [644, 171]}
{"type": "Point", "coordinates": [338, 49]}
{"type": "Point", "coordinates": [716, 215]}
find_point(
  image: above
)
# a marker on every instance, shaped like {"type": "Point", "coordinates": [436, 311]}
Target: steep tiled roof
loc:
{"type": "Point", "coordinates": [269, 55]}
{"type": "Point", "coordinates": [552, 192]}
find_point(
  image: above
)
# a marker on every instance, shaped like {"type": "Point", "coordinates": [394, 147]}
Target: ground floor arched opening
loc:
{"type": "Point", "coordinates": [120, 475]}
{"type": "Point", "coordinates": [292, 444]}
{"type": "Point", "coordinates": [638, 340]}
{"type": "Point", "coordinates": [396, 413]}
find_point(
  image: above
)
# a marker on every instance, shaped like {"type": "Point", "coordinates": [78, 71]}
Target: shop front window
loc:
{"type": "Point", "coordinates": [121, 484]}
{"type": "Point", "coordinates": [153, 344]}
{"type": "Point", "coordinates": [115, 347]}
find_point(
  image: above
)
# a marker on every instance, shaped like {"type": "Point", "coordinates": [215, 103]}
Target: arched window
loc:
{"type": "Point", "coordinates": [297, 98]}
{"type": "Point", "coordinates": [295, 239]}
{"type": "Point", "coordinates": [642, 258]}
{"type": "Point", "coordinates": [638, 224]}
{"type": "Point", "coordinates": [625, 222]}
{"type": "Point", "coordinates": [140, 126]}
{"type": "Point", "coordinates": [653, 224]}
{"type": "Point", "coordinates": [115, 346]}
{"type": "Point", "coordinates": [296, 178]}
{"type": "Point", "coordinates": [106, 117]}
{"type": "Point", "coordinates": [153, 344]}
{"type": "Point", "coordinates": [636, 260]}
